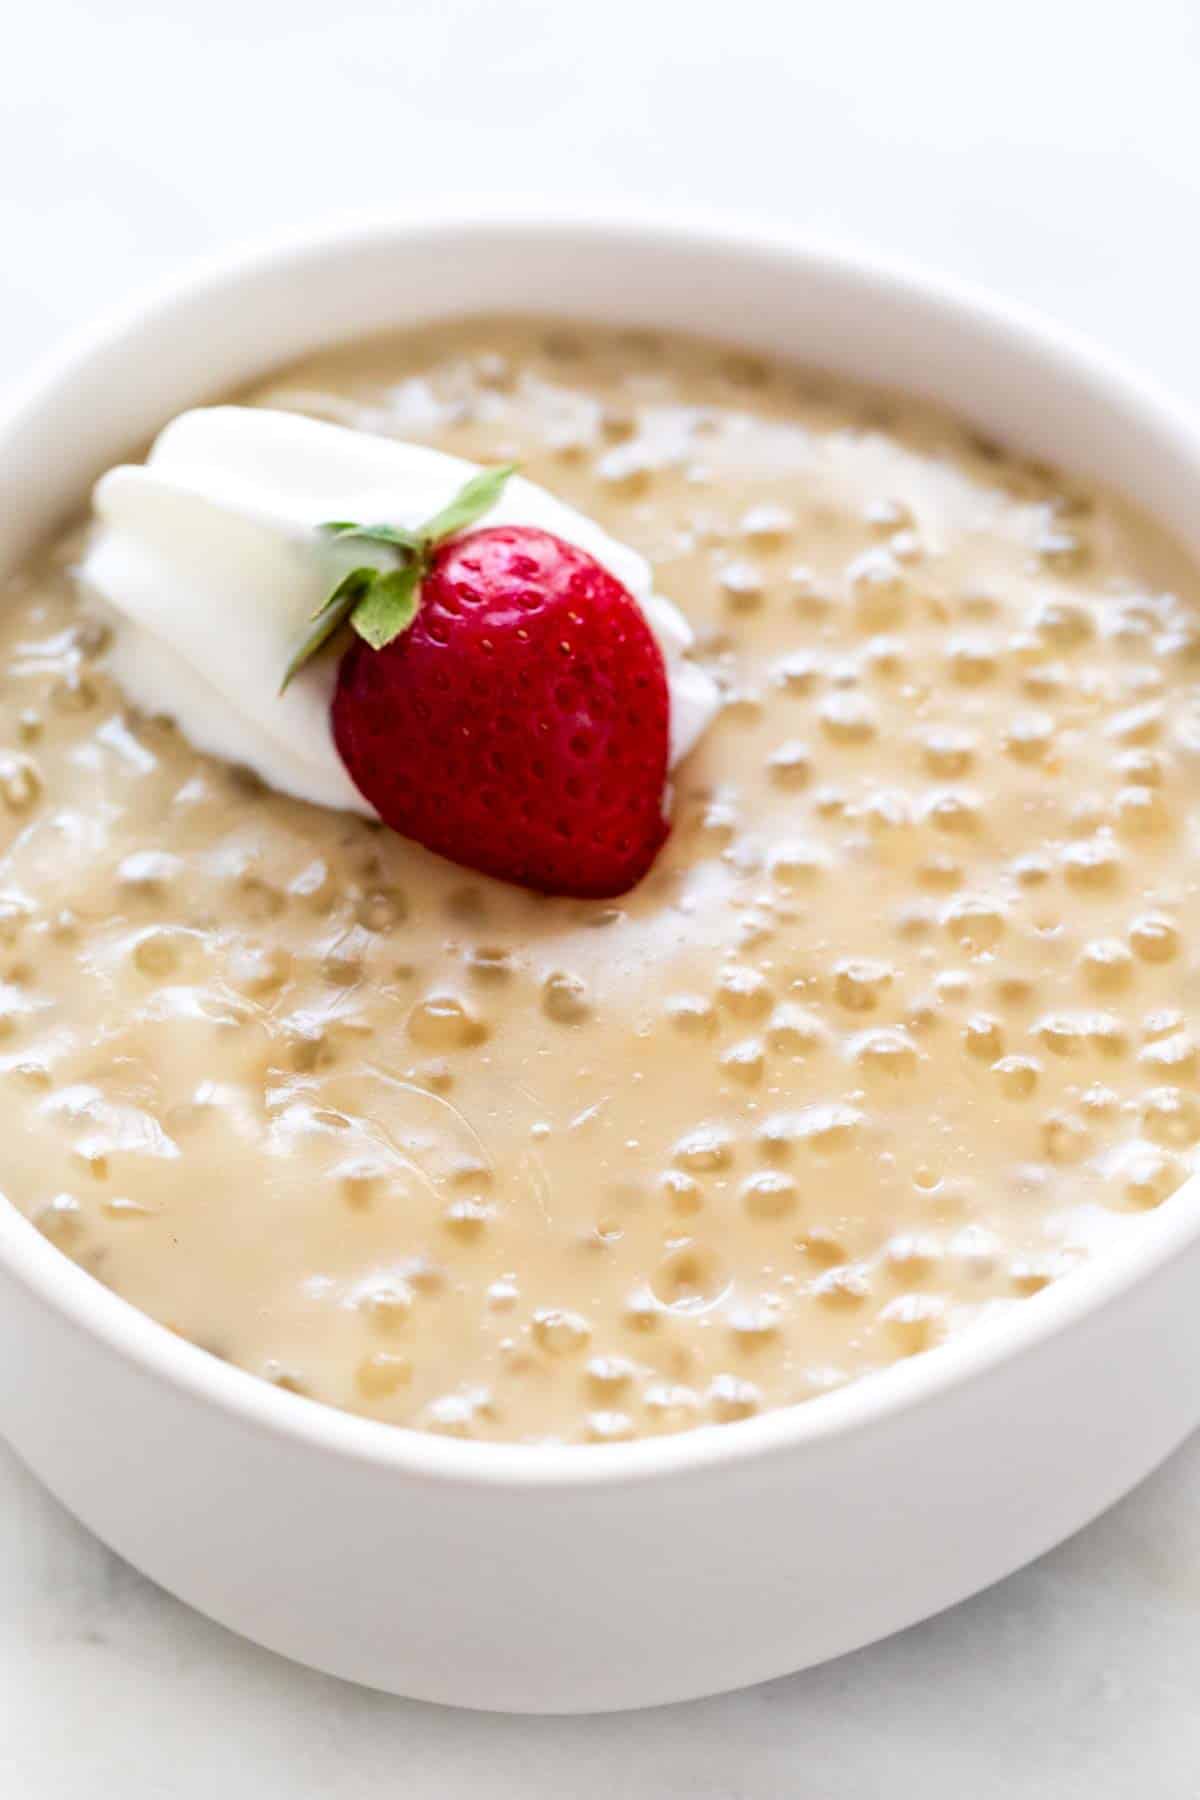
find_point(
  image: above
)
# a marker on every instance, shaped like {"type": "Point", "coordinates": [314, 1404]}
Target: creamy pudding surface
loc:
{"type": "Point", "coordinates": [896, 1031]}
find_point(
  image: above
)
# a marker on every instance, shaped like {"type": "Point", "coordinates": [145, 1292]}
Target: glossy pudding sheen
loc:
{"type": "Point", "coordinates": [894, 1034]}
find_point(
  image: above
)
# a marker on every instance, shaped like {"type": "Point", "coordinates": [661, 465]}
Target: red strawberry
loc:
{"type": "Point", "coordinates": [519, 724]}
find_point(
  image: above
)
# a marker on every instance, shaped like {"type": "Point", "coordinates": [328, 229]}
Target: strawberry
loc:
{"type": "Point", "coordinates": [506, 705]}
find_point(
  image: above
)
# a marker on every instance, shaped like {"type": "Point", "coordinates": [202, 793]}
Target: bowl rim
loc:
{"type": "Point", "coordinates": [84, 1304]}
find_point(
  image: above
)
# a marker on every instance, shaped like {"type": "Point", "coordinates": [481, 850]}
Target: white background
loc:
{"type": "Point", "coordinates": [1051, 150]}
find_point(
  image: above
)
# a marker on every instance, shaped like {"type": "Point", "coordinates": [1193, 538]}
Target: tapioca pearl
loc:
{"type": "Point", "coordinates": [975, 922]}
{"type": "Point", "coordinates": [743, 705]}
{"type": "Point", "coordinates": [1088, 813]}
{"type": "Point", "coordinates": [859, 983]}
{"type": "Point", "coordinates": [797, 673]}
{"type": "Point", "coordinates": [1064, 552]}
{"type": "Point", "coordinates": [21, 783]}
{"type": "Point", "coordinates": [1031, 1274]}
{"type": "Point", "coordinates": [387, 1306]}
{"type": "Point", "coordinates": [258, 969]}
{"type": "Point", "coordinates": [1106, 963]}
{"type": "Point", "coordinates": [1149, 1176]}
{"type": "Point", "coordinates": [983, 1037]}
{"type": "Point", "coordinates": [730, 1397]}
{"type": "Point", "coordinates": [1141, 768]}
{"type": "Point", "coordinates": [790, 764]}
{"type": "Point", "coordinates": [670, 1406]}
{"type": "Point", "coordinates": [744, 992]}
{"type": "Point", "coordinates": [796, 863]}
{"type": "Point", "coordinates": [767, 524]}
{"type": "Point", "coordinates": [1141, 812]}
{"type": "Point", "coordinates": [1175, 1057]}
{"type": "Point", "coordinates": [315, 885]}
{"type": "Point", "coordinates": [913, 1322]}
{"type": "Point", "coordinates": [1016, 1076]}
{"type": "Point", "coordinates": [886, 657]}
{"type": "Point", "coordinates": [886, 812]}
{"type": "Point", "coordinates": [452, 1415]}
{"type": "Point", "coordinates": [707, 1148]}
{"type": "Point", "coordinates": [30, 725]}
{"type": "Point", "coordinates": [282, 1375]}
{"type": "Point", "coordinates": [560, 1332]}
{"type": "Point", "coordinates": [60, 1219]}
{"type": "Point", "coordinates": [157, 953]}
{"type": "Point", "coordinates": [948, 750]}
{"type": "Point", "coordinates": [490, 964]}
{"type": "Point", "coordinates": [940, 873]}
{"type": "Point", "coordinates": [1046, 682]}
{"type": "Point", "coordinates": [823, 1246]}
{"type": "Point", "coordinates": [682, 1192]}
{"type": "Point", "coordinates": [912, 1256]}
{"type": "Point", "coordinates": [74, 692]}
{"type": "Point", "coordinates": [1065, 624]}
{"type": "Point", "coordinates": [1033, 870]}
{"type": "Point", "coordinates": [879, 589]}
{"type": "Point", "coordinates": [689, 1278]}
{"type": "Point", "coordinates": [436, 1075]}
{"type": "Point", "coordinates": [745, 1061]}
{"type": "Point", "coordinates": [848, 718]}
{"type": "Point", "coordinates": [889, 1053]}
{"type": "Point", "coordinates": [641, 1312]}
{"type": "Point", "coordinates": [1161, 1021]}
{"type": "Point", "coordinates": [769, 1194]}
{"type": "Point", "coordinates": [1100, 1101]}
{"type": "Point", "coordinates": [147, 874]}
{"type": "Point", "coordinates": [1137, 725]}
{"type": "Point", "coordinates": [566, 998]}
{"type": "Point", "coordinates": [443, 1021]}
{"type": "Point", "coordinates": [381, 910]}
{"type": "Point", "coordinates": [975, 1251]}
{"type": "Point", "coordinates": [915, 922]}
{"type": "Point", "coordinates": [1093, 866]}
{"type": "Point", "coordinates": [845, 1286]}
{"type": "Point", "coordinates": [626, 469]}
{"type": "Point", "coordinates": [1063, 1034]}
{"type": "Point", "coordinates": [608, 1376]}
{"type": "Point", "coordinates": [972, 659]}
{"type": "Point", "coordinates": [1154, 938]}
{"type": "Point", "coordinates": [718, 822]}
{"type": "Point", "coordinates": [360, 1181]}
{"type": "Point", "coordinates": [608, 1427]}
{"type": "Point", "coordinates": [958, 814]}
{"type": "Point", "coordinates": [1029, 738]}
{"type": "Point", "coordinates": [1106, 1034]}
{"type": "Point", "coordinates": [810, 597]}
{"type": "Point", "coordinates": [1171, 1117]}
{"type": "Point", "coordinates": [794, 1030]}
{"type": "Point", "coordinates": [466, 1219]}
{"type": "Point", "coordinates": [692, 1014]}
{"type": "Point", "coordinates": [825, 1127]}
{"type": "Point", "coordinates": [342, 966]}
{"type": "Point", "coordinates": [742, 585]}
{"type": "Point", "coordinates": [887, 514]}
{"type": "Point", "coordinates": [754, 1325]}
{"type": "Point", "coordinates": [382, 1373]}
{"type": "Point", "coordinates": [1065, 1137]}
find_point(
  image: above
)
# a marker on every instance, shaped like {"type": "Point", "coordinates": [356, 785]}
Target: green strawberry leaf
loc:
{"type": "Point", "coordinates": [388, 607]}
{"type": "Point", "coordinates": [476, 497]}
{"type": "Point", "coordinates": [345, 530]}
{"type": "Point", "coordinates": [328, 618]}
{"type": "Point", "coordinates": [380, 604]}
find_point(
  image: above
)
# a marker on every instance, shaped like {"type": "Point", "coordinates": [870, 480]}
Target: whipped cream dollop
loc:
{"type": "Point", "coordinates": [210, 559]}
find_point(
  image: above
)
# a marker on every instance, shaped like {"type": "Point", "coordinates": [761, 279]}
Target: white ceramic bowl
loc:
{"type": "Point", "coordinates": [577, 1579]}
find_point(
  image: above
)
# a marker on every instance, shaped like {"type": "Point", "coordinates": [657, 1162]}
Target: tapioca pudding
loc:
{"type": "Point", "coordinates": [896, 1030]}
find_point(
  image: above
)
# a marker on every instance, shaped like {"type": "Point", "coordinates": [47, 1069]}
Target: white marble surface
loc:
{"type": "Point", "coordinates": [1049, 147]}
